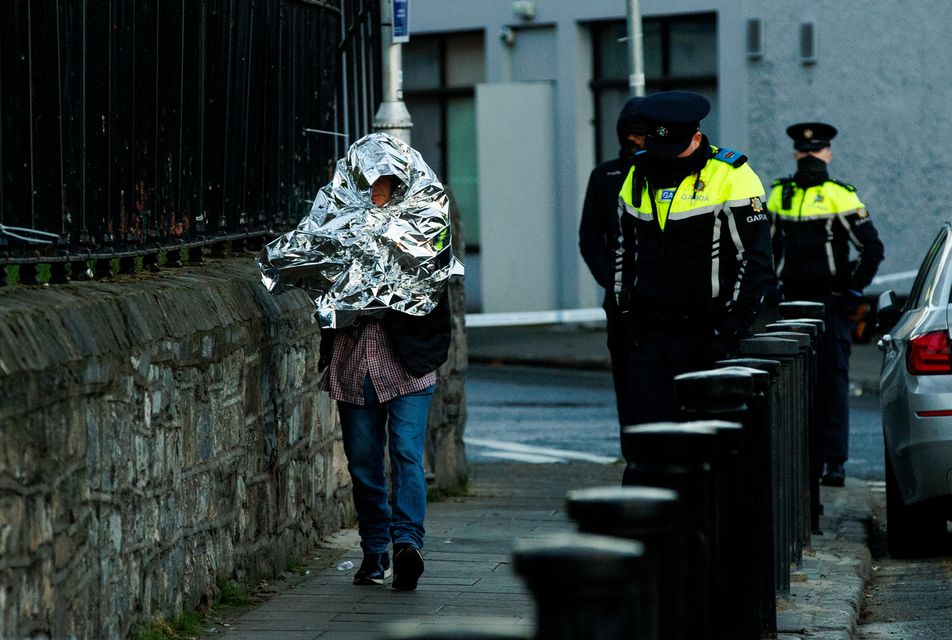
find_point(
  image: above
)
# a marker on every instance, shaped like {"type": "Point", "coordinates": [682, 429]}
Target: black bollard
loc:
{"type": "Point", "coordinates": [787, 474]}
{"type": "Point", "coordinates": [807, 450]}
{"type": "Point", "coordinates": [680, 457]}
{"type": "Point", "coordinates": [585, 586]}
{"type": "Point", "coordinates": [803, 325]}
{"type": "Point", "coordinates": [819, 323]}
{"type": "Point", "coordinates": [813, 328]}
{"type": "Point", "coordinates": [740, 395]}
{"type": "Point", "coordinates": [825, 381]}
{"type": "Point", "coordinates": [778, 498]}
{"type": "Point", "coordinates": [802, 309]}
{"type": "Point", "coordinates": [649, 515]}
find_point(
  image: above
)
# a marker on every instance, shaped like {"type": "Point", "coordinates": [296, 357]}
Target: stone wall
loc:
{"type": "Point", "coordinates": [156, 435]}
{"type": "Point", "coordinates": [445, 451]}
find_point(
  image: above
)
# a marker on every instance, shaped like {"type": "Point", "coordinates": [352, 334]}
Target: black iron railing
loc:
{"type": "Point", "coordinates": [130, 131]}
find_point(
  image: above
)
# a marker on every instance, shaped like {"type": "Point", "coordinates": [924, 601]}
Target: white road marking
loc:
{"type": "Point", "coordinates": [517, 318]}
{"type": "Point", "coordinates": [515, 447]}
{"type": "Point", "coordinates": [522, 457]}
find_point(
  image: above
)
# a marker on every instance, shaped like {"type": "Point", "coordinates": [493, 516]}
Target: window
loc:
{"type": "Point", "coordinates": [926, 278]}
{"type": "Point", "coordinates": [680, 52]}
{"type": "Point", "coordinates": [440, 76]}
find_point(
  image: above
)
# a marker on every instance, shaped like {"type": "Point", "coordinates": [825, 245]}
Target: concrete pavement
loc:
{"type": "Point", "coordinates": [469, 579]}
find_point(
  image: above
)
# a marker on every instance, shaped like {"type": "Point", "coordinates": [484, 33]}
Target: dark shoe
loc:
{"type": "Point", "coordinates": [835, 475]}
{"type": "Point", "coordinates": [407, 567]}
{"type": "Point", "coordinates": [373, 570]}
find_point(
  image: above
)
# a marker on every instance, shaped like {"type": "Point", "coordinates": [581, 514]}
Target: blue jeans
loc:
{"type": "Point", "coordinates": [367, 430]}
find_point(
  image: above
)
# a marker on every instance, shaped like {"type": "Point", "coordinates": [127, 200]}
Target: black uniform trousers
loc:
{"type": "Point", "coordinates": [652, 366]}
{"type": "Point", "coordinates": [833, 380]}
{"type": "Point", "coordinates": [618, 353]}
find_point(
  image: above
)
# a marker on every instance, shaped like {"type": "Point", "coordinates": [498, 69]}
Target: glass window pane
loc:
{"type": "Point", "coordinates": [612, 52]}
{"type": "Point", "coordinates": [920, 288]}
{"type": "Point", "coordinates": [651, 43]}
{"type": "Point", "coordinates": [463, 170]}
{"type": "Point", "coordinates": [693, 47]}
{"type": "Point", "coordinates": [612, 100]}
{"type": "Point", "coordinates": [465, 62]}
{"type": "Point", "coordinates": [425, 136]}
{"type": "Point", "coordinates": [421, 63]}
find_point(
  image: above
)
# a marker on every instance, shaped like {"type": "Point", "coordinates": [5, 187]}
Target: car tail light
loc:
{"type": "Point", "coordinates": [929, 354]}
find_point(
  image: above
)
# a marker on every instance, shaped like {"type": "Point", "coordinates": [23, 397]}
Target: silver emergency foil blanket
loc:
{"type": "Point", "coordinates": [355, 259]}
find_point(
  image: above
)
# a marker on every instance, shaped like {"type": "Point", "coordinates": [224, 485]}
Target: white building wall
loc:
{"type": "Point", "coordinates": [518, 239]}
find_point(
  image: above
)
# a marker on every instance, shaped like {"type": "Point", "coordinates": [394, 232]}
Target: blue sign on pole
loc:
{"type": "Point", "coordinates": [401, 20]}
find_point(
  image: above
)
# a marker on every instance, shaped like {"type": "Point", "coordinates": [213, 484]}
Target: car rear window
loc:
{"type": "Point", "coordinates": [927, 276]}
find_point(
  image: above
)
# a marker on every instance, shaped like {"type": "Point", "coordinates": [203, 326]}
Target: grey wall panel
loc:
{"type": "Point", "coordinates": [516, 194]}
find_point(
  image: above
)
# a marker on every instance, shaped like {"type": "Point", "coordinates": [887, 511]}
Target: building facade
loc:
{"type": "Point", "coordinates": [514, 102]}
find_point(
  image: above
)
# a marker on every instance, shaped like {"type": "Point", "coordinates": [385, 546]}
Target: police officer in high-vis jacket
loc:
{"type": "Point", "coordinates": [695, 255]}
{"type": "Point", "coordinates": [815, 219]}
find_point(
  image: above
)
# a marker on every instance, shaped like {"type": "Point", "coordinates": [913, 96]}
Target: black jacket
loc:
{"type": "Point", "coordinates": [598, 231]}
{"type": "Point", "coordinates": [422, 343]}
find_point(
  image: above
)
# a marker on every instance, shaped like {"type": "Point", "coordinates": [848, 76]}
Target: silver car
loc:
{"type": "Point", "coordinates": [916, 399]}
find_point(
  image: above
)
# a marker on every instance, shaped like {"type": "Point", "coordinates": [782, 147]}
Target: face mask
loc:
{"type": "Point", "coordinates": [811, 163]}
{"type": "Point", "coordinates": [667, 172]}
{"type": "Point", "coordinates": [811, 171]}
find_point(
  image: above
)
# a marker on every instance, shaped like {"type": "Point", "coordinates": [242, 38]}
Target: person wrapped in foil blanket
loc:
{"type": "Point", "coordinates": [353, 258]}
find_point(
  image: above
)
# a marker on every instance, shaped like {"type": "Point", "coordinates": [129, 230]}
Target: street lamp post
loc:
{"type": "Point", "coordinates": [636, 65]}
{"type": "Point", "coordinates": [392, 117]}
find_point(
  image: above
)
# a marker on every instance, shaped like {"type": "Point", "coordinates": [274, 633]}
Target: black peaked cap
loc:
{"type": "Point", "coordinates": [673, 117]}
{"type": "Point", "coordinates": [811, 136]}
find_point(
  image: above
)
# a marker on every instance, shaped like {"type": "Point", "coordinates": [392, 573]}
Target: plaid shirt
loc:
{"type": "Point", "coordinates": [366, 349]}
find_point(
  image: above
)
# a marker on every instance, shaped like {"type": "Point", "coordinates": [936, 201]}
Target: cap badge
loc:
{"type": "Point", "coordinates": [662, 131]}
{"type": "Point", "coordinates": [808, 133]}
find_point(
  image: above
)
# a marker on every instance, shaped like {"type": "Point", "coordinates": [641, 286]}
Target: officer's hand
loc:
{"type": "Point", "coordinates": [724, 347]}
{"type": "Point", "coordinates": [847, 302]}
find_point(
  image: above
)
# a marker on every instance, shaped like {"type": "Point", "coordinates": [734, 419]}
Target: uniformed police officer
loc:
{"type": "Point", "coordinates": [815, 219]}
{"type": "Point", "coordinates": [695, 255]}
{"type": "Point", "coordinates": [598, 237]}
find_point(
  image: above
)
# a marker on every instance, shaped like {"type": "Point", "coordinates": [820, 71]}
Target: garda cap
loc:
{"type": "Point", "coordinates": [673, 117]}
{"type": "Point", "coordinates": [811, 136]}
